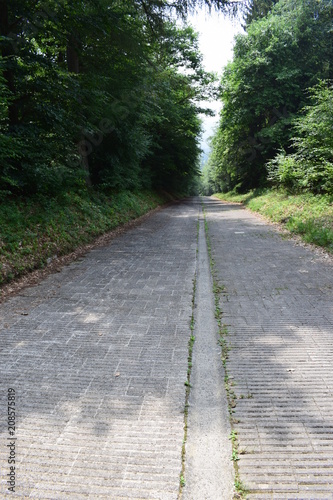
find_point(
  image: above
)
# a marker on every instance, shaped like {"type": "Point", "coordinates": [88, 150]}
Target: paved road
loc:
{"type": "Point", "coordinates": [97, 355]}
{"type": "Point", "coordinates": [209, 472]}
{"type": "Point", "coordinates": [279, 312]}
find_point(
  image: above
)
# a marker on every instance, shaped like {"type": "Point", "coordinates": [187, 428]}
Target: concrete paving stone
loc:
{"type": "Point", "coordinates": [302, 496]}
{"type": "Point", "coordinates": [316, 479]}
{"type": "Point", "coordinates": [316, 489]}
{"type": "Point", "coordinates": [122, 493]}
{"type": "Point", "coordinates": [49, 494]}
{"type": "Point", "coordinates": [278, 308]}
{"type": "Point", "coordinates": [276, 486]}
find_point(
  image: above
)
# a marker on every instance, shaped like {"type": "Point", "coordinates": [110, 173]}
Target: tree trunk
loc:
{"type": "Point", "coordinates": [7, 50]}
{"type": "Point", "coordinates": [73, 66]}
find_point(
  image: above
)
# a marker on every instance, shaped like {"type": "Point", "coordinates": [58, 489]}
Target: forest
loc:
{"type": "Point", "coordinates": [100, 106]}
{"type": "Point", "coordinates": [98, 93]}
{"type": "Point", "coordinates": [106, 94]}
{"type": "Point", "coordinates": [99, 119]}
{"type": "Point", "coordinates": [276, 123]}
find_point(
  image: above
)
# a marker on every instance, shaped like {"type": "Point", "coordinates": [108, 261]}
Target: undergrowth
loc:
{"type": "Point", "coordinates": [35, 230]}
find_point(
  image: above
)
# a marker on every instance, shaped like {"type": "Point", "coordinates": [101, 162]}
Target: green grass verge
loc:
{"type": "Point", "coordinates": [308, 215]}
{"type": "Point", "coordinates": [36, 229]}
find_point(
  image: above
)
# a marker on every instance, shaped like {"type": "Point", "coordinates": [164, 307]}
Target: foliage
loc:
{"type": "Point", "coordinates": [256, 9]}
{"type": "Point", "coordinates": [263, 89]}
{"type": "Point", "coordinates": [309, 215]}
{"type": "Point", "coordinates": [98, 92]}
{"type": "Point", "coordinates": [311, 165]}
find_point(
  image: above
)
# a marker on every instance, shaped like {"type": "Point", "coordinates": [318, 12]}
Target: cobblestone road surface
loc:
{"type": "Point", "coordinates": [97, 355]}
{"type": "Point", "coordinates": [279, 310]}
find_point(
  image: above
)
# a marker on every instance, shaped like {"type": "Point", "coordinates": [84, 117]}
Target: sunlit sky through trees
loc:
{"type": "Point", "coordinates": [216, 33]}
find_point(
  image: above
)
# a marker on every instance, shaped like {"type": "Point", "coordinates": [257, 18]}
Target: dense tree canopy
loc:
{"type": "Point", "coordinates": [107, 92]}
{"type": "Point", "coordinates": [256, 9]}
{"type": "Point", "coordinates": [103, 92]}
{"type": "Point", "coordinates": [281, 56]}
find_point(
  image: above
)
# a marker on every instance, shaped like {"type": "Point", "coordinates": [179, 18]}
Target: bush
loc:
{"type": "Point", "coordinates": [310, 167]}
{"type": "Point", "coordinates": [282, 170]}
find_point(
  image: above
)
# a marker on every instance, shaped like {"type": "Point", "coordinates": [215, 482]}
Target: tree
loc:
{"type": "Point", "coordinates": [176, 128]}
{"type": "Point", "coordinates": [41, 93]}
{"type": "Point", "coordinates": [280, 57]}
{"type": "Point", "coordinates": [256, 9]}
{"type": "Point", "coordinates": [310, 167]}
{"type": "Point", "coordinates": [93, 90]}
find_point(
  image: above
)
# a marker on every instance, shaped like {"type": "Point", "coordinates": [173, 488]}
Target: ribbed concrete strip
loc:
{"type": "Point", "coordinates": [279, 312]}
{"type": "Point", "coordinates": [209, 470]}
{"type": "Point", "coordinates": [97, 355]}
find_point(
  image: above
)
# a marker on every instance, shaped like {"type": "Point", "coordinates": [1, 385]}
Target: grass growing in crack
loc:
{"type": "Point", "coordinates": [240, 489]}
{"type": "Point", "coordinates": [187, 384]}
{"type": "Point", "coordinates": [218, 289]}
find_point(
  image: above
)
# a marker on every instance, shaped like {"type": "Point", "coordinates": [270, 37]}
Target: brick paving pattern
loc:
{"type": "Point", "coordinates": [97, 355]}
{"type": "Point", "coordinates": [278, 307]}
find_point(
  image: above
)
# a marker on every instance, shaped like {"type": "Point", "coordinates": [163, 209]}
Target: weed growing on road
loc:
{"type": "Point", "coordinates": [191, 341]}
{"type": "Point", "coordinates": [235, 456]}
{"type": "Point", "coordinates": [218, 289]}
{"type": "Point", "coordinates": [241, 491]}
{"type": "Point", "coordinates": [233, 436]}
